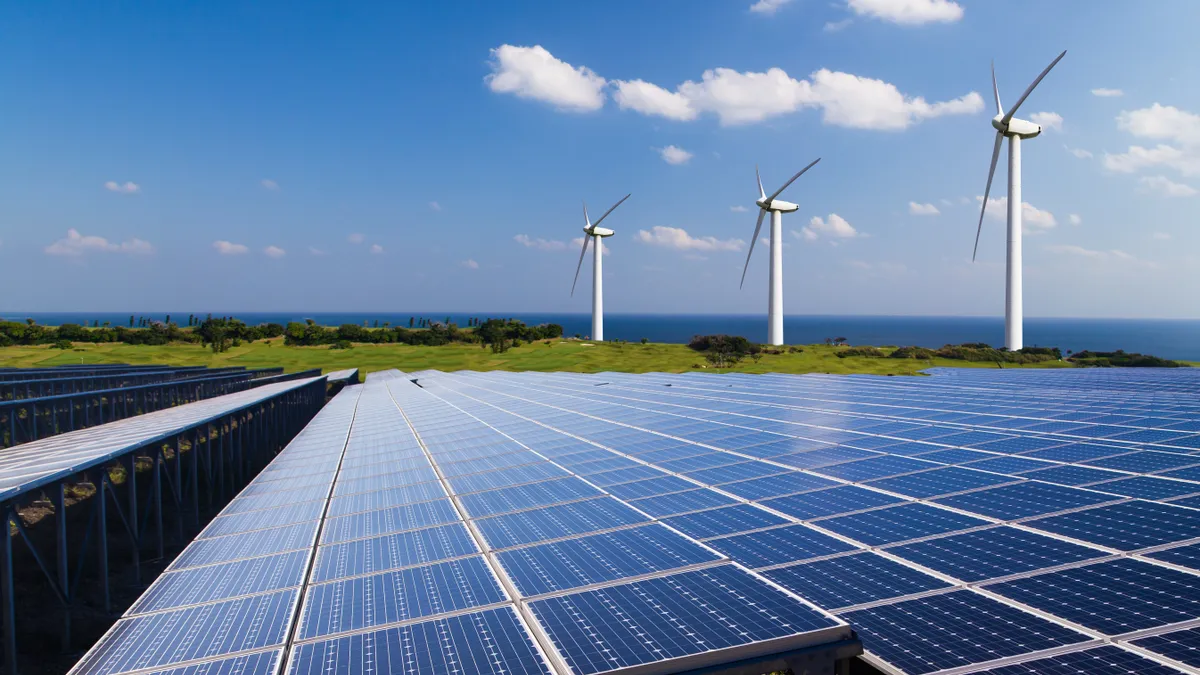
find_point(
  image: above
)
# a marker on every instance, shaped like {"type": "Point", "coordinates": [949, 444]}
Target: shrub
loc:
{"type": "Point", "coordinates": [913, 353]}
{"type": "Point", "coordinates": [61, 344]}
{"type": "Point", "coordinates": [1122, 359]}
{"type": "Point", "coordinates": [871, 352]}
{"type": "Point", "coordinates": [731, 344]}
{"type": "Point", "coordinates": [342, 344]}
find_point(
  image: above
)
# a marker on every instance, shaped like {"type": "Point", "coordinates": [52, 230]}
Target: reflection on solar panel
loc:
{"type": "Point", "coordinates": [986, 521]}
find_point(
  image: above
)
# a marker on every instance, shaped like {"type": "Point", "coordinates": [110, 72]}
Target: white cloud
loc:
{"type": "Point", "coordinates": [76, 244]}
{"type": "Point", "coordinates": [229, 248]}
{"type": "Point", "coordinates": [834, 226]}
{"type": "Point", "coordinates": [768, 7]}
{"type": "Point", "coordinates": [674, 155]}
{"type": "Point", "coordinates": [1047, 120]}
{"type": "Point", "coordinates": [738, 209]}
{"type": "Point", "coordinates": [434, 206]}
{"type": "Point", "coordinates": [1107, 93]}
{"type": "Point", "coordinates": [651, 99]}
{"type": "Point", "coordinates": [534, 73]}
{"type": "Point", "coordinates": [678, 238]}
{"type": "Point", "coordinates": [376, 248]}
{"type": "Point", "coordinates": [1161, 122]}
{"type": "Point", "coordinates": [274, 252]}
{"type": "Point", "coordinates": [315, 251]}
{"type": "Point", "coordinates": [805, 234]}
{"type": "Point", "coordinates": [835, 26]}
{"type": "Point", "coordinates": [540, 244]}
{"type": "Point", "coordinates": [1113, 255]}
{"type": "Point", "coordinates": [1165, 187]}
{"type": "Point", "coordinates": [922, 209]}
{"type": "Point", "coordinates": [126, 188]}
{"type": "Point", "coordinates": [470, 264]}
{"type": "Point", "coordinates": [1161, 236]}
{"type": "Point", "coordinates": [356, 238]}
{"type": "Point", "coordinates": [1138, 158]}
{"type": "Point", "coordinates": [577, 243]}
{"type": "Point", "coordinates": [1033, 219]}
{"type": "Point", "coordinates": [1074, 219]}
{"type": "Point", "coordinates": [269, 184]}
{"type": "Point", "coordinates": [1078, 152]}
{"type": "Point", "coordinates": [908, 12]}
{"type": "Point", "coordinates": [846, 100]}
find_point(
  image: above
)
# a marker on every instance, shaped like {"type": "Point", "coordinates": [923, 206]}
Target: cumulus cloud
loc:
{"type": "Point", "coordinates": [679, 239]}
{"type": "Point", "coordinates": [539, 243]}
{"type": "Point", "coordinates": [922, 209]}
{"type": "Point", "coordinates": [356, 238]}
{"type": "Point", "coordinates": [1165, 187]}
{"type": "Point", "coordinates": [1177, 130]}
{"type": "Point", "coordinates": [470, 264]}
{"type": "Point", "coordinates": [1048, 120]}
{"type": "Point", "coordinates": [126, 188]}
{"type": "Point", "coordinates": [274, 252]}
{"type": "Point", "coordinates": [674, 155]}
{"type": "Point", "coordinates": [745, 98]}
{"type": "Point", "coordinates": [376, 248]}
{"type": "Point", "coordinates": [76, 244]}
{"type": "Point", "coordinates": [434, 206]}
{"type": "Point", "coordinates": [269, 184]}
{"type": "Point", "coordinates": [1074, 219]}
{"type": "Point", "coordinates": [1138, 158]}
{"type": "Point", "coordinates": [229, 248]}
{"type": "Point", "coordinates": [835, 226]}
{"type": "Point", "coordinates": [768, 7]}
{"type": "Point", "coordinates": [805, 234]}
{"type": "Point", "coordinates": [534, 73]}
{"type": "Point", "coordinates": [1033, 219]}
{"type": "Point", "coordinates": [1078, 152]}
{"type": "Point", "coordinates": [1107, 93]}
{"type": "Point", "coordinates": [908, 12]}
{"type": "Point", "coordinates": [315, 251]}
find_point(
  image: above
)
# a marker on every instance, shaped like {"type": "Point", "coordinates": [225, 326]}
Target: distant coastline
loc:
{"type": "Point", "coordinates": [1169, 338]}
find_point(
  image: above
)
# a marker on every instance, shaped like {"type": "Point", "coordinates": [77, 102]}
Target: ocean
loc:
{"type": "Point", "coordinates": [1173, 339]}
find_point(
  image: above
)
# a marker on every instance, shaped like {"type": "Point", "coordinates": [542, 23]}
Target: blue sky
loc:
{"type": "Point", "coordinates": [432, 156]}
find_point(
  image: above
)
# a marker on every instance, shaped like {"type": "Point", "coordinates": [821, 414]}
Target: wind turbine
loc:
{"type": "Point", "coordinates": [1014, 130]}
{"type": "Point", "coordinates": [593, 230]}
{"type": "Point", "coordinates": [777, 207]}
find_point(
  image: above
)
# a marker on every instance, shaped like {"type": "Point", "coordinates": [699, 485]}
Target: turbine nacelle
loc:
{"type": "Point", "coordinates": [598, 231]}
{"type": "Point", "coordinates": [777, 205]}
{"type": "Point", "coordinates": [1016, 127]}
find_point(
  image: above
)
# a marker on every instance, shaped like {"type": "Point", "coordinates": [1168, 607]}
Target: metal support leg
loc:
{"type": "Point", "coordinates": [6, 585]}
{"type": "Point", "coordinates": [195, 477]}
{"type": "Point", "coordinates": [102, 538]}
{"type": "Point", "coordinates": [156, 482]}
{"type": "Point", "coordinates": [178, 470]}
{"type": "Point", "coordinates": [64, 572]}
{"type": "Point", "coordinates": [131, 482]}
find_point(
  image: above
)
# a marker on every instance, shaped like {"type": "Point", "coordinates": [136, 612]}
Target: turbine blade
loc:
{"type": "Point", "coordinates": [996, 91]}
{"type": "Point", "coordinates": [987, 191]}
{"type": "Point", "coordinates": [1009, 115]}
{"type": "Point", "coordinates": [614, 206]}
{"type": "Point", "coordinates": [578, 267]}
{"type": "Point", "coordinates": [761, 192]}
{"type": "Point", "coordinates": [585, 215]}
{"type": "Point", "coordinates": [793, 178]}
{"type": "Point", "coordinates": [757, 229]}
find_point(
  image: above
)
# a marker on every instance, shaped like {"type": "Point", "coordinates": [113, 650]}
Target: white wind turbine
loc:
{"type": "Point", "coordinates": [777, 207]}
{"type": "Point", "coordinates": [593, 230]}
{"type": "Point", "coordinates": [1014, 130]}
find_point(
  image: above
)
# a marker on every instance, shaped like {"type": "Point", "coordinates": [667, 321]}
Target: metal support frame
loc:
{"type": "Point", "coordinates": [245, 440]}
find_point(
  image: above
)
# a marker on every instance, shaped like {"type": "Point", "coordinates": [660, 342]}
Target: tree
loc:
{"type": "Point", "coordinates": [131, 321]}
{"type": "Point", "coordinates": [410, 322]}
{"type": "Point", "coordinates": [168, 321]}
{"type": "Point", "coordinates": [839, 340]}
{"type": "Point", "coordinates": [645, 340]}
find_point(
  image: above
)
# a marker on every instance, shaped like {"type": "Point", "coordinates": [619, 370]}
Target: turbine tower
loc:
{"type": "Point", "coordinates": [593, 230]}
{"type": "Point", "coordinates": [1014, 130]}
{"type": "Point", "coordinates": [777, 207]}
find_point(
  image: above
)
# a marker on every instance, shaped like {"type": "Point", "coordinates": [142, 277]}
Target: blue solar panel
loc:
{"type": "Point", "coordinates": [953, 630]}
{"type": "Point", "coordinates": [956, 456]}
{"type": "Point", "coordinates": [248, 545]}
{"type": "Point", "coordinates": [1071, 474]}
{"type": "Point", "coordinates": [1010, 465]}
{"type": "Point", "coordinates": [489, 480]}
{"type": "Point", "coordinates": [778, 546]}
{"type": "Point", "coordinates": [599, 558]}
{"type": "Point", "coordinates": [994, 552]}
{"type": "Point", "coordinates": [899, 523]}
{"type": "Point", "coordinates": [504, 500]}
{"type": "Point", "coordinates": [811, 459]}
{"type": "Point", "coordinates": [399, 595]}
{"type": "Point", "coordinates": [852, 579]}
{"type": "Point", "coordinates": [1125, 526]}
{"type": "Point", "coordinates": [383, 499]}
{"type": "Point", "coordinates": [1148, 487]}
{"type": "Point", "coordinates": [386, 521]}
{"type": "Point", "coordinates": [1105, 660]}
{"type": "Point", "coordinates": [391, 551]}
{"type": "Point", "coordinates": [1077, 452]}
{"type": "Point", "coordinates": [736, 472]}
{"type": "Point", "coordinates": [651, 487]}
{"type": "Point", "coordinates": [553, 522]}
{"type": "Point", "coordinates": [878, 467]}
{"type": "Point", "coordinates": [927, 484]}
{"type": "Point", "coordinates": [773, 486]}
{"type": "Point", "coordinates": [640, 472]}
{"type": "Point", "coordinates": [260, 520]}
{"type": "Point", "coordinates": [1022, 500]}
{"type": "Point", "coordinates": [722, 521]}
{"type": "Point", "coordinates": [670, 618]}
{"type": "Point", "coordinates": [218, 582]}
{"type": "Point", "coordinates": [830, 502]}
{"type": "Point", "coordinates": [491, 642]}
{"type": "Point", "coordinates": [1144, 462]}
{"type": "Point", "coordinates": [1112, 597]}
{"type": "Point", "coordinates": [1181, 645]}
{"type": "Point", "coordinates": [682, 502]}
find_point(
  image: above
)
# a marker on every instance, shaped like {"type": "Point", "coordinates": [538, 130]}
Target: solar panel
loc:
{"type": "Point", "coordinates": [780, 545]}
{"type": "Point", "coordinates": [722, 521]}
{"type": "Point", "coordinates": [899, 523]}
{"type": "Point", "coordinates": [853, 580]}
{"type": "Point", "coordinates": [993, 552]}
{"type": "Point", "coordinates": [1181, 645]}
{"type": "Point", "coordinates": [1098, 661]}
{"type": "Point", "coordinates": [1022, 500]}
{"type": "Point", "coordinates": [1126, 526]}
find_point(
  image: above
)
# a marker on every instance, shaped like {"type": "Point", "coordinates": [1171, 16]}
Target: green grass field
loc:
{"type": "Point", "coordinates": [550, 355]}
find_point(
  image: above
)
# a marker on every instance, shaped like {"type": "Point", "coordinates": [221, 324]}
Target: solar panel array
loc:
{"type": "Point", "coordinates": [975, 521]}
{"type": "Point", "coordinates": [399, 533]}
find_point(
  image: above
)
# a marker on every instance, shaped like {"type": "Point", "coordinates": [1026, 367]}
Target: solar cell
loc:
{"type": "Point", "coordinates": [852, 580]}
{"type": "Point", "coordinates": [1181, 645]}
{"type": "Point", "coordinates": [994, 552]}
{"type": "Point", "coordinates": [1106, 660]}
{"type": "Point", "coordinates": [504, 500]}
{"type": "Point", "coordinates": [833, 501]}
{"type": "Point", "coordinates": [780, 545]}
{"type": "Point", "coordinates": [218, 582]}
{"type": "Point", "coordinates": [1126, 526]}
{"type": "Point", "coordinates": [1022, 500]}
{"type": "Point", "coordinates": [877, 467]}
{"type": "Point", "coordinates": [1072, 474]}
{"type": "Point", "coordinates": [899, 523]}
{"type": "Point", "coordinates": [385, 521]}
{"type": "Point", "coordinates": [781, 484]}
{"type": "Point", "coordinates": [391, 551]}
{"type": "Point", "coordinates": [681, 502]}
{"type": "Point", "coordinates": [925, 484]}
{"type": "Point", "coordinates": [260, 663]}
{"type": "Point", "coordinates": [1148, 487]}
{"type": "Point", "coordinates": [553, 522]}
{"type": "Point", "coordinates": [670, 618]}
{"type": "Point", "coordinates": [247, 545]}
{"type": "Point", "coordinates": [722, 521]}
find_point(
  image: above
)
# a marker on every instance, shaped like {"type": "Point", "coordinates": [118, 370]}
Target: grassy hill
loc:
{"type": "Point", "coordinates": [547, 355]}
